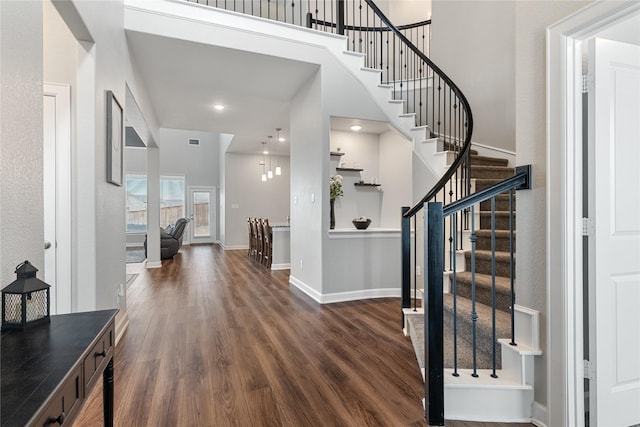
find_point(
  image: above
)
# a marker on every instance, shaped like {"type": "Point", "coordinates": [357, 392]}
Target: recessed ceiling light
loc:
{"type": "Point", "coordinates": [219, 107]}
{"type": "Point", "coordinates": [281, 139]}
{"type": "Point", "coordinates": [265, 152]}
{"type": "Point", "coordinates": [355, 128]}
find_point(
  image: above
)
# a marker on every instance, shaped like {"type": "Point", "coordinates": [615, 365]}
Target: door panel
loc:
{"type": "Point", "coordinates": [615, 324]}
{"type": "Point", "coordinates": [202, 214]}
{"type": "Point", "coordinates": [57, 195]}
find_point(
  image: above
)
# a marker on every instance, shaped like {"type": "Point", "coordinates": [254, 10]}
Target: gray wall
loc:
{"type": "Point", "coordinates": [473, 42]}
{"type": "Point", "coordinates": [21, 197]}
{"type": "Point", "coordinates": [247, 196]}
{"type": "Point", "coordinates": [95, 62]}
{"type": "Point", "coordinates": [532, 18]}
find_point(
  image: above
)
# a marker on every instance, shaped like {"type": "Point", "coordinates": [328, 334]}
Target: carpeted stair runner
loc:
{"type": "Point", "coordinates": [486, 171]}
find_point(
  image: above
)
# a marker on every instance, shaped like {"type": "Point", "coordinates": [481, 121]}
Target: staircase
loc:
{"type": "Point", "coordinates": [422, 103]}
{"type": "Point", "coordinates": [500, 391]}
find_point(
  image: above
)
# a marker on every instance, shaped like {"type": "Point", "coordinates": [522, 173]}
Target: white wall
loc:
{"type": "Point", "coordinates": [247, 196]}
{"type": "Point", "coordinates": [21, 197]}
{"type": "Point", "coordinates": [395, 175]}
{"type": "Point", "coordinates": [309, 144]}
{"type": "Point", "coordinates": [361, 150]}
{"type": "Point", "coordinates": [384, 157]}
{"type": "Point", "coordinates": [199, 164]}
{"type": "Point", "coordinates": [532, 18]}
{"type": "Point", "coordinates": [473, 43]}
{"type": "Point", "coordinates": [224, 140]}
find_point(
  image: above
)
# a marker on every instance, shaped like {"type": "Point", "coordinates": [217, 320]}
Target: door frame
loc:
{"type": "Point", "coordinates": [565, 41]}
{"type": "Point", "coordinates": [63, 281]}
{"type": "Point", "coordinates": [212, 215]}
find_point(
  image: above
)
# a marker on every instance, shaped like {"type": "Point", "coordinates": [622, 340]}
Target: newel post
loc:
{"type": "Point", "coordinates": [405, 243]}
{"type": "Point", "coordinates": [340, 17]}
{"type": "Point", "coordinates": [433, 327]}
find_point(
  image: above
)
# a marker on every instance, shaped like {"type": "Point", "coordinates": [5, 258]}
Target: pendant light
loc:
{"type": "Point", "coordinates": [270, 171]}
{"type": "Point", "coordinates": [263, 162]}
{"type": "Point", "coordinates": [278, 168]}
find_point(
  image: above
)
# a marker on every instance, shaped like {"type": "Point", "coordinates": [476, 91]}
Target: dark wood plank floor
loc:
{"type": "Point", "coordinates": [217, 340]}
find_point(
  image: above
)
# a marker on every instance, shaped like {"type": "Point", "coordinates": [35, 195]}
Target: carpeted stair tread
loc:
{"type": "Point", "coordinates": [464, 353]}
{"type": "Point", "coordinates": [446, 146]}
{"type": "Point", "coordinates": [501, 218]}
{"type": "Point", "coordinates": [483, 325]}
{"type": "Point", "coordinates": [502, 237]}
{"type": "Point", "coordinates": [484, 285]}
{"type": "Point", "coordinates": [502, 203]}
{"type": "Point", "coordinates": [483, 262]}
{"type": "Point", "coordinates": [486, 160]}
{"type": "Point", "coordinates": [491, 172]}
{"type": "Point", "coordinates": [486, 255]}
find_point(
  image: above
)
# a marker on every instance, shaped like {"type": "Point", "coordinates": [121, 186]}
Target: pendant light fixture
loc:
{"type": "Point", "coordinates": [263, 162]}
{"type": "Point", "coordinates": [270, 171]}
{"type": "Point", "coordinates": [278, 140]}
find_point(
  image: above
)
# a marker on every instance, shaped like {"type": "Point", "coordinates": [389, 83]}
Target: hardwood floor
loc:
{"type": "Point", "coordinates": [217, 340]}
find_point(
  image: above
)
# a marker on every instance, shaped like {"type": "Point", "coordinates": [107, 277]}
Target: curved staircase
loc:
{"type": "Point", "coordinates": [494, 382]}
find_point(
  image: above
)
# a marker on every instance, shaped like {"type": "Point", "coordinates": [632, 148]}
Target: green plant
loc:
{"type": "Point", "coordinates": [335, 187]}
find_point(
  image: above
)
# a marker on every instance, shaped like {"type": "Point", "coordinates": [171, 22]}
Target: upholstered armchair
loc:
{"type": "Point", "coordinates": [170, 239]}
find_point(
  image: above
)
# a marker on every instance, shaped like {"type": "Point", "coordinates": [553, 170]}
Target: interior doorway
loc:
{"type": "Point", "coordinates": [57, 194]}
{"type": "Point", "coordinates": [606, 321]}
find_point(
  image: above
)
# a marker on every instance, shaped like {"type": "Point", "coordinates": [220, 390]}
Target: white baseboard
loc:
{"type": "Point", "coordinates": [315, 295]}
{"type": "Point", "coordinates": [157, 264]}
{"type": "Point", "coordinates": [539, 415]}
{"type": "Point", "coordinates": [359, 295]}
{"type": "Point", "coordinates": [343, 296]}
{"type": "Point", "coordinates": [286, 266]}
{"type": "Point", "coordinates": [121, 327]}
{"type": "Point", "coordinates": [234, 248]}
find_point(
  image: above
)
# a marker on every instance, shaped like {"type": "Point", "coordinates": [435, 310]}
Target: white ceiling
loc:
{"type": "Point", "coordinates": [185, 79]}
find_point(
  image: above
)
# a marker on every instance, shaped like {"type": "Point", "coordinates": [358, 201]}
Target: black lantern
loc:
{"type": "Point", "coordinates": [25, 302]}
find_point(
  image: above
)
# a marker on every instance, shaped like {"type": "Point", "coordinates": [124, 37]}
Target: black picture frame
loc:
{"type": "Point", "coordinates": [115, 140]}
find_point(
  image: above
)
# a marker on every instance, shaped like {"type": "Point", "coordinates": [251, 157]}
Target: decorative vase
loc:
{"type": "Point", "coordinates": [332, 217]}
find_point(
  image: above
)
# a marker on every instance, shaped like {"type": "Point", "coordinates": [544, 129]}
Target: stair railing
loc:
{"type": "Point", "coordinates": [434, 226]}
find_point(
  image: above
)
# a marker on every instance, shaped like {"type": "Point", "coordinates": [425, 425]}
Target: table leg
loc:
{"type": "Point", "coordinates": [107, 394]}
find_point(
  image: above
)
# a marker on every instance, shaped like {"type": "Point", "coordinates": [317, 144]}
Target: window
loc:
{"type": "Point", "coordinates": [136, 186]}
{"type": "Point", "coordinates": [171, 201]}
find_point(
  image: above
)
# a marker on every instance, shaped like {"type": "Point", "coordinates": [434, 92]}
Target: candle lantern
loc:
{"type": "Point", "coordinates": [25, 301]}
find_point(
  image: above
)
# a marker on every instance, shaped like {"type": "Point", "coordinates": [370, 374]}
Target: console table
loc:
{"type": "Point", "coordinates": [48, 370]}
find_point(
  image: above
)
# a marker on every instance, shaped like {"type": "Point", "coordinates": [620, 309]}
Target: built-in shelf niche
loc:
{"type": "Point", "coordinates": [349, 169]}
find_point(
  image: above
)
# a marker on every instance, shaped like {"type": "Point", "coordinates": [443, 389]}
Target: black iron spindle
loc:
{"type": "Point", "coordinates": [454, 292]}
{"type": "Point", "coordinates": [512, 270]}
{"type": "Point", "coordinates": [493, 285]}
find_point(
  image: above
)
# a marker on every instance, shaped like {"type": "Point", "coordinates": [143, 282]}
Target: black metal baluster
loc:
{"type": "Point", "coordinates": [512, 269]}
{"type": "Point", "coordinates": [493, 284]}
{"type": "Point", "coordinates": [415, 263]}
{"type": "Point", "coordinates": [454, 291]}
{"type": "Point", "coordinates": [474, 315]}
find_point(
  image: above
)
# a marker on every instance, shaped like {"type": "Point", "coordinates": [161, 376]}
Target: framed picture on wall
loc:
{"type": "Point", "coordinates": [115, 143]}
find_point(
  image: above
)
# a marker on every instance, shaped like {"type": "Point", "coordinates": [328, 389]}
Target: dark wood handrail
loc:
{"type": "Point", "coordinates": [464, 152]}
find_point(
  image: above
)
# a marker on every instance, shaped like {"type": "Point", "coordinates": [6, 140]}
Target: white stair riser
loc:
{"type": "Point", "coordinates": [518, 367]}
{"type": "Point", "coordinates": [496, 404]}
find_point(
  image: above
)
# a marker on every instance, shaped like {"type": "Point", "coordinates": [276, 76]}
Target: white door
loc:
{"type": "Point", "coordinates": [614, 260]}
{"type": "Point", "coordinates": [57, 195]}
{"type": "Point", "coordinates": [201, 207]}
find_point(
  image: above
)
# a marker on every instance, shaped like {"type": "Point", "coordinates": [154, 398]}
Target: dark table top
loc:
{"type": "Point", "coordinates": [36, 360]}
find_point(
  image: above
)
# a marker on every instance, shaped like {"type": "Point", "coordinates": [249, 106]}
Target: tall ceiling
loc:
{"type": "Point", "coordinates": [184, 80]}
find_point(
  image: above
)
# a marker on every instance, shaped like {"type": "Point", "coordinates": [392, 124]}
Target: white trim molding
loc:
{"type": "Point", "coordinates": [565, 389]}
